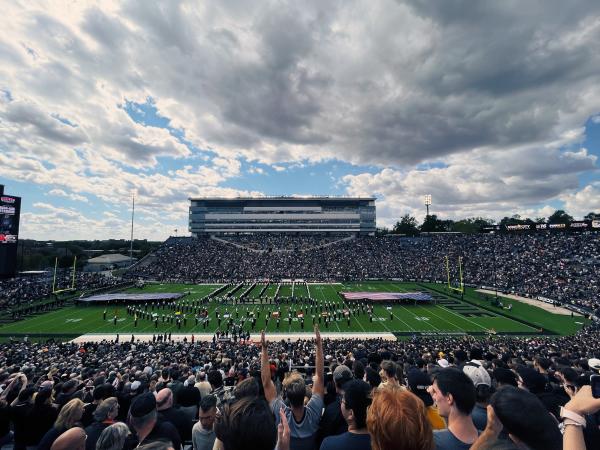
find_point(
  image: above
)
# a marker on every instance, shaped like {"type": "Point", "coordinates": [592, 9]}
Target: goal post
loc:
{"type": "Point", "coordinates": [69, 289]}
{"type": "Point", "coordinates": [461, 285]}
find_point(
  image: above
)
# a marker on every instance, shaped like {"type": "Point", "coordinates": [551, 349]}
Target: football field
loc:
{"type": "Point", "coordinates": [446, 314]}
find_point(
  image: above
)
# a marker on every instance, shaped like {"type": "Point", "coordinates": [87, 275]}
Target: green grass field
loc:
{"type": "Point", "coordinates": [450, 315]}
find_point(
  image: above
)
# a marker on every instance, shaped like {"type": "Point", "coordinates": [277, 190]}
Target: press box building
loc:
{"type": "Point", "coordinates": [291, 215]}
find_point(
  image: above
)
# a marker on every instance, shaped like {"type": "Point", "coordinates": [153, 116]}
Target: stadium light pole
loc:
{"type": "Point", "coordinates": [427, 203]}
{"type": "Point", "coordinates": [132, 215]}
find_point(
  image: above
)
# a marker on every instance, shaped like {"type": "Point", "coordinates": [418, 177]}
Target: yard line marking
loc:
{"type": "Point", "coordinates": [353, 316]}
{"type": "Point", "coordinates": [406, 309]}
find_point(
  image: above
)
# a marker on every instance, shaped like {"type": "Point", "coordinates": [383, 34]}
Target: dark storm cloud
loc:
{"type": "Point", "coordinates": [42, 125]}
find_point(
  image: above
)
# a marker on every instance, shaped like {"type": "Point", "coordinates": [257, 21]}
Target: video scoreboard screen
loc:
{"type": "Point", "coordinates": [10, 211]}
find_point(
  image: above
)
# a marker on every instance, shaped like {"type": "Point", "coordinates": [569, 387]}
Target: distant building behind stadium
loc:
{"type": "Point", "coordinates": [289, 215]}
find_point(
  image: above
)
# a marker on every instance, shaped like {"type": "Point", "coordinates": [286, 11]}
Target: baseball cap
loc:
{"type": "Point", "coordinates": [594, 364]}
{"type": "Point", "coordinates": [477, 374]}
{"type": "Point", "coordinates": [341, 374]}
{"type": "Point", "coordinates": [418, 382]}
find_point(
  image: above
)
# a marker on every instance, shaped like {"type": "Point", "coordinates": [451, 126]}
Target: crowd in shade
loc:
{"type": "Point", "coordinates": [424, 393]}
{"type": "Point", "coordinates": [23, 291]}
{"type": "Point", "coordinates": [562, 267]}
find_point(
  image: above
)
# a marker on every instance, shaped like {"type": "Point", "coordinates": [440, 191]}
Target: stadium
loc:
{"type": "Point", "coordinates": [299, 225]}
{"type": "Point", "coordinates": [269, 272]}
{"type": "Point", "coordinates": [345, 280]}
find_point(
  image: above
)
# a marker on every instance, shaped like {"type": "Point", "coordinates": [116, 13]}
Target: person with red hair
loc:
{"type": "Point", "coordinates": [397, 420]}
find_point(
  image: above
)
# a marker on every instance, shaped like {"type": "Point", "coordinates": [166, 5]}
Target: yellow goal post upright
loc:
{"type": "Point", "coordinates": [69, 289]}
{"type": "Point", "coordinates": [461, 286]}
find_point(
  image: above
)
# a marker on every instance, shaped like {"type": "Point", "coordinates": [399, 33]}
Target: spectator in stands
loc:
{"type": "Point", "coordinates": [41, 417]}
{"type": "Point", "coordinates": [6, 435]}
{"type": "Point", "coordinates": [67, 393]}
{"type": "Point", "coordinates": [333, 421]}
{"type": "Point", "coordinates": [218, 389]}
{"type": "Point", "coordinates": [388, 374]}
{"type": "Point", "coordinates": [483, 391]}
{"type": "Point", "coordinates": [113, 437]}
{"type": "Point", "coordinates": [246, 422]}
{"type": "Point", "coordinates": [454, 394]}
{"type": "Point", "coordinates": [581, 407]}
{"type": "Point", "coordinates": [203, 386]}
{"type": "Point", "coordinates": [524, 417]}
{"type": "Point", "coordinates": [504, 377]}
{"type": "Point", "coordinates": [418, 383]}
{"type": "Point", "coordinates": [147, 428]}
{"type": "Point", "coordinates": [72, 439]}
{"type": "Point", "coordinates": [68, 417]}
{"type": "Point", "coordinates": [372, 377]}
{"type": "Point", "coordinates": [356, 399]}
{"type": "Point", "coordinates": [397, 420]}
{"type": "Point", "coordinates": [203, 434]}
{"type": "Point", "coordinates": [173, 414]}
{"type": "Point", "coordinates": [104, 416]}
{"type": "Point", "coordinates": [531, 380]}
{"type": "Point", "coordinates": [303, 419]}
{"type": "Point", "coordinates": [19, 411]}
{"type": "Point", "coordinates": [98, 394]}
{"type": "Point", "coordinates": [246, 388]}
{"type": "Point", "coordinates": [187, 404]}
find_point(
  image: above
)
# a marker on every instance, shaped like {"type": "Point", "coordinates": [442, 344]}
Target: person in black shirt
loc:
{"type": "Point", "coordinates": [143, 420]}
{"type": "Point", "coordinates": [41, 417]}
{"type": "Point", "coordinates": [19, 411]}
{"type": "Point", "coordinates": [332, 422]}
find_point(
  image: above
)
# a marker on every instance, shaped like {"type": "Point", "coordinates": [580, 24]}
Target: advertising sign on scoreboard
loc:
{"type": "Point", "coordinates": [576, 225]}
{"type": "Point", "coordinates": [10, 211]}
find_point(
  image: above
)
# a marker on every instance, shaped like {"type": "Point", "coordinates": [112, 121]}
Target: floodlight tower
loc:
{"type": "Point", "coordinates": [427, 203]}
{"type": "Point", "coordinates": [132, 216]}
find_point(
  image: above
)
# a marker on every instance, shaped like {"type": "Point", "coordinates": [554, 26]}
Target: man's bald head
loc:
{"type": "Point", "coordinates": [164, 399]}
{"type": "Point", "coordinates": [72, 439]}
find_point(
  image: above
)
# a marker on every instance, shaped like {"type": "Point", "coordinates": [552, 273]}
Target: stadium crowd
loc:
{"type": "Point", "coordinates": [280, 242]}
{"type": "Point", "coordinates": [424, 393]}
{"type": "Point", "coordinates": [563, 267]}
{"type": "Point", "coordinates": [24, 291]}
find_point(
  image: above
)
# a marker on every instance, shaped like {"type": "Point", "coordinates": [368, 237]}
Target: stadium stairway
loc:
{"type": "Point", "coordinates": [147, 260]}
{"type": "Point", "coordinates": [226, 242]}
{"type": "Point", "coordinates": [327, 244]}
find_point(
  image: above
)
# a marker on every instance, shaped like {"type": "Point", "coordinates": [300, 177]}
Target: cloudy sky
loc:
{"type": "Point", "coordinates": [493, 108]}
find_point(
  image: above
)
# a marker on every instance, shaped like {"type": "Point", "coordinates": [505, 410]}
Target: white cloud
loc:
{"type": "Point", "coordinates": [582, 201]}
{"type": "Point", "coordinates": [72, 196]}
{"type": "Point", "coordinates": [497, 92]}
{"type": "Point", "coordinates": [480, 183]}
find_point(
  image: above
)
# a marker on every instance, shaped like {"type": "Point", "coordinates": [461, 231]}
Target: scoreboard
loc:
{"type": "Point", "coordinates": [10, 211]}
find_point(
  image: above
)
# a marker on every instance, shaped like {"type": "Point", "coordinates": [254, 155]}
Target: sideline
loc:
{"type": "Point", "coordinates": [538, 303]}
{"type": "Point", "coordinates": [254, 337]}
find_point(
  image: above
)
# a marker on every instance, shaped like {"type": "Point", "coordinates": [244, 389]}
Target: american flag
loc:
{"type": "Point", "coordinates": [386, 296]}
